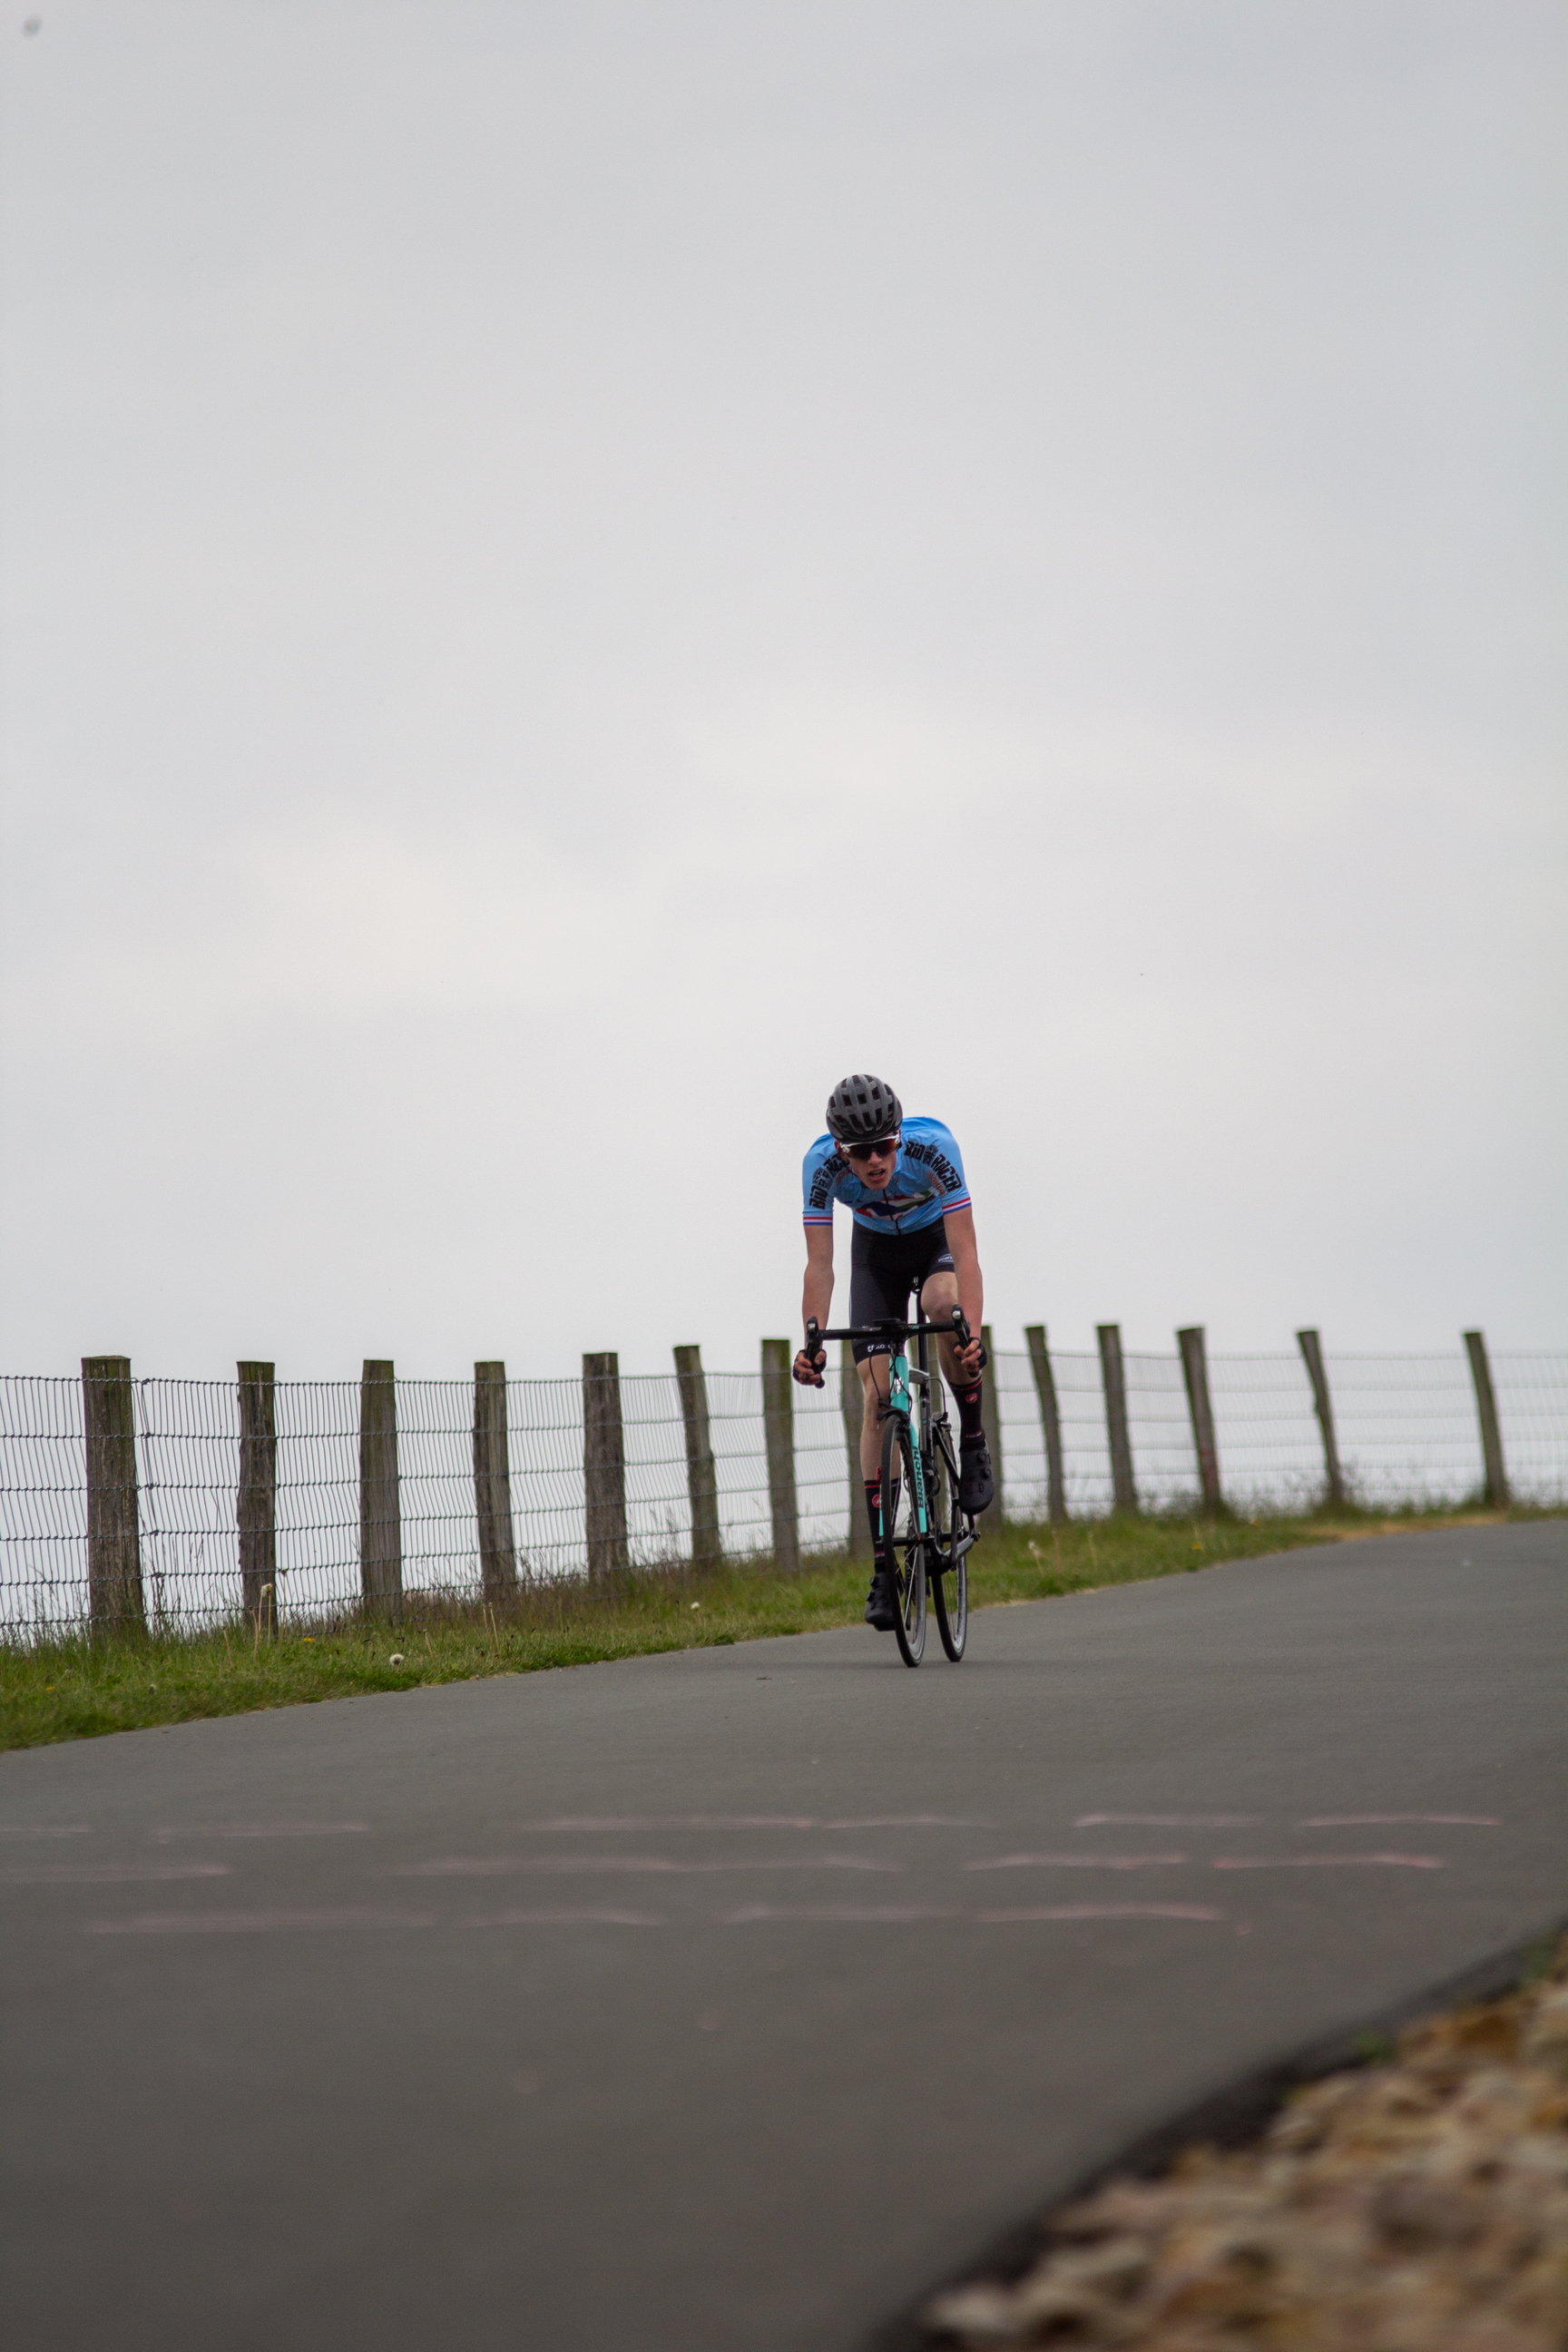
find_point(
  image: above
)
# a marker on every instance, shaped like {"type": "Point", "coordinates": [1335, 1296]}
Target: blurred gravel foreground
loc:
{"type": "Point", "coordinates": [1417, 2206]}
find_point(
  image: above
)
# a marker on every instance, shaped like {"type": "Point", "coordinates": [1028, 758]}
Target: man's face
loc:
{"type": "Point", "coordinates": [873, 1162]}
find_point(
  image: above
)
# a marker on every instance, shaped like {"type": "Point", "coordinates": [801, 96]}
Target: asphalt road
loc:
{"type": "Point", "coordinates": [718, 1999]}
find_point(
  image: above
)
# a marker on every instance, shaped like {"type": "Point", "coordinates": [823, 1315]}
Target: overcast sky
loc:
{"type": "Point", "coordinates": [572, 573]}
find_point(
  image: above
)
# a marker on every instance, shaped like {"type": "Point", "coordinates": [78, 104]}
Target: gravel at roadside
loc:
{"type": "Point", "coordinates": [1416, 2206]}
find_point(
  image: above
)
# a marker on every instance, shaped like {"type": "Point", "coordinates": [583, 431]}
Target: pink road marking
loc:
{"type": "Point", "coordinates": [566, 1919]}
{"type": "Point", "coordinates": [252, 1923]}
{"type": "Point", "coordinates": [754, 1822]}
{"type": "Point", "coordinates": [900, 1914]}
{"type": "Point", "coordinates": [1103, 1911]}
{"type": "Point", "coordinates": [591, 1821]}
{"type": "Point", "coordinates": [1167, 1821]}
{"type": "Point", "coordinates": [904, 1821]}
{"type": "Point", "coordinates": [639, 1864]}
{"type": "Point", "coordinates": [1330, 1861]}
{"type": "Point", "coordinates": [1080, 1861]}
{"type": "Point", "coordinates": [111, 1873]}
{"type": "Point", "coordinates": [1390, 1821]}
{"type": "Point", "coordinates": [259, 1830]}
{"type": "Point", "coordinates": [885, 1914]}
{"type": "Point", "coordinates": [24, 1829]}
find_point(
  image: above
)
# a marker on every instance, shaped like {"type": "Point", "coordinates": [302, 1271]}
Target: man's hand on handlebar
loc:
{"type": "Point", "coordinates": [972, 1354]}
{"type": "Point", "coordinates": [809, 1360]}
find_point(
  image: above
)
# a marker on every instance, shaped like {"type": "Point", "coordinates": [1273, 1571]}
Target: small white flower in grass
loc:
{"type": "Point", "coordinates": [395, 1659]}
{"type": "Point", "coordinates": [696, 1604]}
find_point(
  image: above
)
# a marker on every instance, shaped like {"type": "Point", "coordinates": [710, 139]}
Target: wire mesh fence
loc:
{"type": "Point", "coordinates": [1407, 1429]}
{"type": "Point", "coordinates": [1406, 1425]}
{"type": "Point", "coordinates": [187, 1439]}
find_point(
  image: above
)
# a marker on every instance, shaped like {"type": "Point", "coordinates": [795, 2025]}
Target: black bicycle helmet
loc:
{"type": "Point", "coordinates": [863, 1109]}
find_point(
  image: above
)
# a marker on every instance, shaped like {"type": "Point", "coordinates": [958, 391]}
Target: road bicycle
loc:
{"type": "Point", "coordinates": [924, 1542]}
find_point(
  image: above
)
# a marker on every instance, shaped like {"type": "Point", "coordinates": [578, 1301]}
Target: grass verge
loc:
{"type": "Point", "coordinates": [76, 1689]}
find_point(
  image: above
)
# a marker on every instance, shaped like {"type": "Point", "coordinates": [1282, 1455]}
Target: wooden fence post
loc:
{"type": "Point", "coordinates": [852, 1403]}
{"type": "Point", "coordinates": [1324, 1406]}
{"type": "Point", "coordinates": [1123, 1492]}
{"type": "Point", "coordinates": [1050, 1421]}
{"type": "Point", "coordinates": [778, 1425]}
{"type": "Point", "coordinates": [492, 1486]}
{"type": "Point", "coordinates": [991, 1417]}
{"type": "Point", "coordinates": [1495, 1489]}
{"type": "Point", "coordinates": [257, 1502]}
{"type": "Point", "coordinates": [114, 1520]}
{"type": "Point", "coordinates": [380, 1520]}
{"type": "Point", "coordinates": [1195, 1373]}
{"type": "Point", "coordinates": [701, 1470]}
{"type": "Point", "coordinates": [605, 1469]}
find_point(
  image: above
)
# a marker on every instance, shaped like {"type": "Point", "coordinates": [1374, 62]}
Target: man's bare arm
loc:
{"type": "Point", "coordinates": [959, 1226]}
{"type": "Point", "coordinates": [818, 1297]}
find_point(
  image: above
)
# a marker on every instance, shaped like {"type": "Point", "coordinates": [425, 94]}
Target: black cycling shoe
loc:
{"type": "Point", "coordinates": [880, 1610]}
{"type": "Point", "coordinates": [977, 1486]}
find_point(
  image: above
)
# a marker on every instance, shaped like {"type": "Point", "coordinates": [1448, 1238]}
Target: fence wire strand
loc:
{"type": "Point", "coordinates": [1406, 1425]}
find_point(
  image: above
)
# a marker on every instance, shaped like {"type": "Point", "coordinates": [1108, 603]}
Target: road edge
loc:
{"type": "Point", "coordinates": [1230, 2117]}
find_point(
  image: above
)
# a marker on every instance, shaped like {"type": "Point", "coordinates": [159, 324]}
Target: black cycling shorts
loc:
{"type": "Point", "coordinates": [883, 1270]}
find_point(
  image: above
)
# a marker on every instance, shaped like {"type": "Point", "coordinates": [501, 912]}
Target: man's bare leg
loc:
{"type": "Point", "coordinates": [938, 1300]}
{"type": "Point", "coordinates": [876, 1378]}
{"type": "Point", "coordinates": [874, 1383]}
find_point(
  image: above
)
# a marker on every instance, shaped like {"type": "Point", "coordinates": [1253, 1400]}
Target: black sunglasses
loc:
{"type": "Point", "coordinates": [872, 1150]}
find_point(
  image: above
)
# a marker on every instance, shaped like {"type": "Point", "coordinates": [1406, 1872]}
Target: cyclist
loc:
{"type": "Point", "coordinates": [914, 1230]}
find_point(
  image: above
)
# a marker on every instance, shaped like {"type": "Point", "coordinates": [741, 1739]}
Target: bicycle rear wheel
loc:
{"type": "Point", "coordinates": [903, 1546]}
{"type": "Point", "coordinates": [950, 1577]}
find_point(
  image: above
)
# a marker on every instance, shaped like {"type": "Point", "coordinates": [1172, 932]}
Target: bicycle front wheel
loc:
{"type": "Point", "coordinates": [949, 1577]}
{"type": "Point", "coordinates": [903, 1546]}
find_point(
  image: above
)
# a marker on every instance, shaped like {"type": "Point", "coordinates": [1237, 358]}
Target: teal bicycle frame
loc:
{"type": "Point", "coordinates": [901, 1376]}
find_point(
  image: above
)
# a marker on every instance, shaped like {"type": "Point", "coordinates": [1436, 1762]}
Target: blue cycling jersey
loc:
{"type": "Point", "coordinates": [927, 1180]}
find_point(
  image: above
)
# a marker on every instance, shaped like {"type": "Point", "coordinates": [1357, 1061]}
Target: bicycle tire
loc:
{"type": "Point", "coordinates": [903, 1547]}
{"type": "Point", "coordinates": [950, 1577]}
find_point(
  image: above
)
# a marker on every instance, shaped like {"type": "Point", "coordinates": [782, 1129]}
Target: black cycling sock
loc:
{"type": "Point", "coordinates": [969, 1421]}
